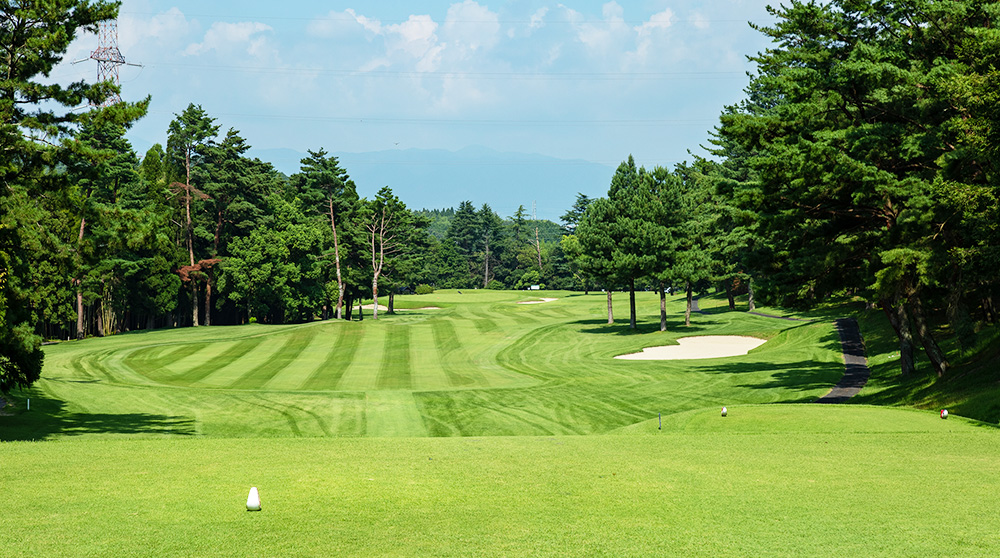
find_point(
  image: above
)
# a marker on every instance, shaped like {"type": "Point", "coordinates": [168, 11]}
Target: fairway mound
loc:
{"type": "Point", "coordinates": [706, 346]}
{"type": "Point", "coordinates": [542, 301]}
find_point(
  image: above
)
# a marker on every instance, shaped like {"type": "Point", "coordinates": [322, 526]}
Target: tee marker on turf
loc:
{"type": "Point", "coordinates": [253, 500]}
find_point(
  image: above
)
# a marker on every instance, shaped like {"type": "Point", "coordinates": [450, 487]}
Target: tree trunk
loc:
{"type": "Point", "coordinates": [208, 302]}
{"type": "Point", "coordinates": [751, 306]}
{"type": "Point", "coordinates": [375, 296]}
{"type": "Point", "coordinates": [486, 265]}
{"type": "Point", "coordinates": [100, 319]}
{"type": "Point", "coordinates": [900, 323]}
{"type": "Point", "coordinates": [392, 301]}
{"type": "Point", "coordinates": [631, 303]}
{"type": "Point", "coordinates": [361, 312]}
{"type": "Point", "coordinates": [538, 250]}
{"type": "Point", "coordinates": [80, 331]}
{"type": "Point", "coordinates": [663, 307]}
{"type": "Point", "coordinates": [989, 312]}
{"type": "Point", "coordinates": [729, 293]}
{"type": "Point", "coordinates": [190, 235]}
{"type": "Point", "coordinates": [150, 322]}
{"type": "Point", "coordinates": [687, 310]}
{"type": "Point", "coordinates": [336, 258]}
{"type": "Point", "coordinates": [931, 348]}
{"type": "Point", "coordinates": [611, 316]}
{"type": "Point", "coordinates": [350, 309]}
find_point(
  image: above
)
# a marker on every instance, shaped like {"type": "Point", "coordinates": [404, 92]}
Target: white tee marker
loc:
{"type": "Point", "coordinates": [253, 500]}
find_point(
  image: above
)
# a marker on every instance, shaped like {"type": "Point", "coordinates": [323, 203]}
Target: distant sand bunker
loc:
{"type": "Point", "coordinates": [543, 301]}
{"type": "Point", "coordinates": [707, 346]}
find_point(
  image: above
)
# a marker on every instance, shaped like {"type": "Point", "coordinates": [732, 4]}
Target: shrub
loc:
{"type": "Point", "coordinates": [424, 289]}
{"type": "Point", "coordinates": [495, 285]}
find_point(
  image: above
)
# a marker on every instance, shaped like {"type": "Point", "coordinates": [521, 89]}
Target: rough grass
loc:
{"type": "Point", "coordinates": [798, 480]}
{"type": "Point", "coordinates": [971, 387]}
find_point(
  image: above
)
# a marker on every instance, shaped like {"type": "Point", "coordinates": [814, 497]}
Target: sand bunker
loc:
{"type": "Point", "coordinates": [543, 301]}
{"type": "Point", "coordinates": [421, 308]}
{"type": "Point", "coordinates": [707, 346]}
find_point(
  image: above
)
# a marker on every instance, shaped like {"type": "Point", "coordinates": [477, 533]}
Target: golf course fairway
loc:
{"type": "Point", "coordinates": [482, 428]}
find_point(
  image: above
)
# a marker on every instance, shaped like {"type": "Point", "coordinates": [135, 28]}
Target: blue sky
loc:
{"type": "Point", "coordinates": [575, 79]}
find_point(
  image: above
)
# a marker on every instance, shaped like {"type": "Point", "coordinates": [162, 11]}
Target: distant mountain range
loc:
{"type": "Point", "coordinates": [437, 178]}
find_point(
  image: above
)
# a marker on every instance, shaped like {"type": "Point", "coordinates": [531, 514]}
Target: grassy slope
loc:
{"type": "Point", "coordinates": [971, 388]}
{"type": "Point", "coordinates": [789, 480]}
{"type": "Point", "coordinates": [481, 365]}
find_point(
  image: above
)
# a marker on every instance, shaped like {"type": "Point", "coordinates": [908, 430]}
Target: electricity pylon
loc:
{"type": "Point", "coordinates": [109, 58]}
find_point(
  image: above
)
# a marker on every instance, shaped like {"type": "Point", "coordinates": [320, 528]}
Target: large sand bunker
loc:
{"type": "Point", "coordinates": [707, 346]}
{"type": "Point", "coordinates": [542, 301]}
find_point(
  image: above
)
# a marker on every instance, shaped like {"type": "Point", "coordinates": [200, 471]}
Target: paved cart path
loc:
{"type": "Point", "coordinates": [856, 371]}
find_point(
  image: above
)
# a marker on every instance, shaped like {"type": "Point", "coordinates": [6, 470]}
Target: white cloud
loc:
{"type": "Point", "coordinates": [700, 21]}
{"type": "Point", "coordinates": [417, 37]}
{"type": "Point", "coordinates": [226, 37]}
{"type": "Point", "coordinates": [657, 22]}
{"type": "Point", "coordinates": [538, 18]}
{"type": "Point", "coordinates": [470, 27]}
{"type": "Point", "coordinates": [605, 37]}
{"type": "Point", "coordinates": [340, 24]}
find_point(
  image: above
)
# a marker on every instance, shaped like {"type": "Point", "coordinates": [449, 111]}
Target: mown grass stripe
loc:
{"type": "Point", "coordinates": [361, 373]}
{"type": "Point", "coordinates": [350, 416]}
{"type": "Point", "coordinates": [393, 413]}
{"type": "Point", "coordinates": [160, 369]}
{"type": "Point", "coordinates": [425, 361]}
{"type": "Point", "coordinates": [453, 358]}
{"type": "Point", "coordinates": [294, 376]}
{"type": "Point", "coordinates": [396, 369]}
{"type": "Point", "coordinates": [232, 354]}
{"type": "Point", "coordinates": [229, 375]}
{"type": "Point", "coordinates": [339, 357]}
{"type": "Point", "coordinates": [295, 344]}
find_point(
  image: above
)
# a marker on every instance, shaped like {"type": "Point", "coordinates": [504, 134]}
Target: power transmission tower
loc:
{"type": "Point", "coordinates": [109, 58]}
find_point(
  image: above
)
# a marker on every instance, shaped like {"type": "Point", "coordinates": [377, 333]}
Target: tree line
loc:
{"type": "Point", "coordinates": [95, 240]}
{"type": "Point", "coordinates": [863, 162]}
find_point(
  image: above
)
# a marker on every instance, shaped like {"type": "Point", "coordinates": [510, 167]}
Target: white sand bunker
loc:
{"type": "Point", "coordinates": [543, 301]}
{"type": "Point", "coordinates": [421, 308]}
{"type": "Point", "coordinates": [707, 346]}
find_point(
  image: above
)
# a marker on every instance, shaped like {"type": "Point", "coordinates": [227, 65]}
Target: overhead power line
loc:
{"type": "Point", "coordinates": [566, 76]}
{"type": "Point", "coordinates": [465, 121]}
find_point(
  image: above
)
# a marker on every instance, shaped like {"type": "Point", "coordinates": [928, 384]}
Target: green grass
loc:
{"type": "Point", "coordinates": [799, 480]}
{"type": "Point", "coordinates": [481, 365]}
{"type": "Point", "coordinates": [489, 428]}
{"type": "Point", "coordinates": [971, 387]}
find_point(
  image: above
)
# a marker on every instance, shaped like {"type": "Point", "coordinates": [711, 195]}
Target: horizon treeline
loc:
{"type": "Point", "coordinates": [198, 233]}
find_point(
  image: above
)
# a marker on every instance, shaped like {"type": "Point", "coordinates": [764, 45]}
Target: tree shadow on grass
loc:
{"type": "Point", "coordinates": [799, 377]}
{"type": "Point", "coordinates": [674, 327]}
{"type": "Point", "coordinates": [48, 418]}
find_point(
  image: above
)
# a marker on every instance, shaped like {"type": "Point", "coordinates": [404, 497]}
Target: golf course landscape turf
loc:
{"type": "Point", "coordinates": [483, 427]}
